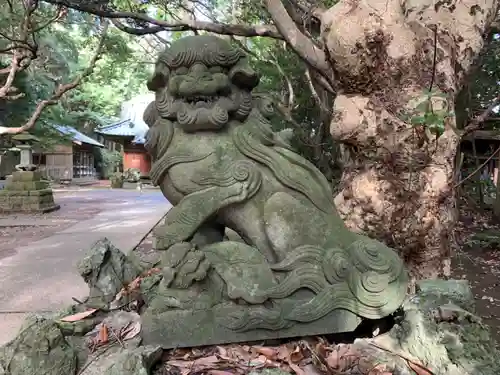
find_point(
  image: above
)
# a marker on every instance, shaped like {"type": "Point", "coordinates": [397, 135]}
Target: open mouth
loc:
{"type": "Point", "coordinates": [201, 99]}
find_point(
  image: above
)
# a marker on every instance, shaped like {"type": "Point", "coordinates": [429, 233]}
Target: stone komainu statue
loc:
{"type": "Point", "coordinates": [298, 270]}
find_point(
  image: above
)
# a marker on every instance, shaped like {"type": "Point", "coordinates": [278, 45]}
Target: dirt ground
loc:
{"type": "Point", "coordinates": [479, 262]}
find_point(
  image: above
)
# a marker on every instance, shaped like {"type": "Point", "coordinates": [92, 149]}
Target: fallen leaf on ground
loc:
{"type": "Point", "coordinates": [311, 370]}
{"type": "Point", "coordinates": [78, 316]}
{"type": "Point", "coordinates": [238, 352]}
{"type": "Point", "coordinates": [380, 370]}
{"type": "Point", "coordinates": [196, 365]}
{"type": "Point", "coordinates": [342, 357]}
{"type": "Point", "coordinates": [284, 352]}
{"type": "Point", "coordinates": [132, 330]}
{"type": "Point", "coordinates": [222, 352]}
{"type": "Point", "coordinates": [270, 353]}
{"type": "Point", "coordinates": [296, 355]}
{"type": "Point", "coordinates": [419, 369]}
{"type": "Point", "coordinates": [321, 350]}
{"type": "Point", "coordinates": [297, 369]}
{"type": "Point", "coordinates": [103, 334]}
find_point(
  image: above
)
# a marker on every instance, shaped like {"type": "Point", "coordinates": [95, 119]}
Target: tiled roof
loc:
{"type": "Point", "coordinates": [131, 122]}
{"type": "Point", "coordinates": [123, 128]}
{"type": "Point", "coordinates": [77, 136]}
{"type": "Point", "coordinates": [139, 140]}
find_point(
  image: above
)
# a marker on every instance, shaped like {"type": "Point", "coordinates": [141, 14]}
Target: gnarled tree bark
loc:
{"type": "Point", "coordinates": [389, 57]}
{"type": "Point", "coordinates": [397, 67]}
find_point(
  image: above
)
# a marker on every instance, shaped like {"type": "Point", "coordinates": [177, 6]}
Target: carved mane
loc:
{"type": "Point", "coordinates": [256, 140]}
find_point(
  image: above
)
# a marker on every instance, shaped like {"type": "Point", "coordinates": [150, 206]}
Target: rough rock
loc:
{"type": "Point", "coordinates": [135, 362]}
{"type": "Point", "coordinates": [106, 357]}
{"type": "Point", "coordinates": [438, 332]}
{"type": "Point", "coordinates": [456, 290]}
{"type": "Point", "coordinates": [106, 270]}
{"type": "Point", "coordinates": [149, 288]}
{"type": "Point", "coordinates": [40, 348]}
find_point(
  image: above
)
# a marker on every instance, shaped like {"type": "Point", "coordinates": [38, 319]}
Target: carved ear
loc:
{"type": "Point", "coordinates": [160, 77]}
{"type": "Point", "coordinates": [157, 81]}
{"type": "Point", "coordinates": [242, 75]}
{"type": "Point", "coordinates": [150, 114]}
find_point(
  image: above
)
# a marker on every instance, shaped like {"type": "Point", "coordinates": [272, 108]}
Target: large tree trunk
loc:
{"type": "Point", "coordinates": [387, 55]}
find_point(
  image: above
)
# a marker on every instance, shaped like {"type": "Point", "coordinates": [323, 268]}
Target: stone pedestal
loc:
{"type": "Point", "coordinates": [26, 192]}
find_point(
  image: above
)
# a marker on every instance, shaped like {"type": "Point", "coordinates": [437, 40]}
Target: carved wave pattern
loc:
{"type": "Point", "coordinates": [167, 161]}
{"type": "Point", "coordinates": [159, 137]}
{"type": "Point", "coordinates": [165, 104]}
{"type": "Point", "coordinates": [307, 276]}
{"type": "Point", "coordinates": [150, 114]}
{"type": "Point", "coordinates": [211, 118]}
{"type": "Point", "coordinates": [206, 49]}
{"type": "Point", "coordinates": [240, 171]}
{"type": "Point", "coordinates": [257, 317]}
{"type": "Point", "coordinates": [367, 279]}
{"type": "Point", "coordinates": [245, 104]}
{"type": "Point", "coordinates": [295, 174]}
{"type": "Point", "coordinates": [299, 256]}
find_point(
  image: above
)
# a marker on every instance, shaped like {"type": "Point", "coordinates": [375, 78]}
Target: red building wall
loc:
{"type": "Point", "coordinates": [137, 160]}
{"type": "Point", "coordinates": [135, 156]}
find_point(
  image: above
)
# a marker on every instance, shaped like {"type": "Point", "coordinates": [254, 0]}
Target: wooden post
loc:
{"type": "Point", "coordinates": [478, 173]}
{"type": "Point", "coordinates": [458, 165]}
{"type": "Point", "coordinates": [496, 205]}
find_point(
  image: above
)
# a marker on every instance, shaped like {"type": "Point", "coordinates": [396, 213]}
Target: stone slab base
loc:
{"type": "Point", "coordinates": [26, 192]}
{"type": "Point", "coordinates": [186, 328]}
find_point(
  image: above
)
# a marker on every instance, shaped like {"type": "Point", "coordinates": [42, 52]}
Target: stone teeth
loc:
{"type": "Point", "coordinates": [197, 99]}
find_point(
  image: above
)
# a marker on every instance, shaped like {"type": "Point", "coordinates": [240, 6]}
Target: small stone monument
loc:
{"type": "Point", "coordinates": [25, 191]}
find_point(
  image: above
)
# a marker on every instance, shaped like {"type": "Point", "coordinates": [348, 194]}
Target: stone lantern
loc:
{"type": "Point", "coordinates": [26, 190]}
{"type": "Point", "coordinates": [24, 142]}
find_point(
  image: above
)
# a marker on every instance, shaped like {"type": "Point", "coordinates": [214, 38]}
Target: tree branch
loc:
{"type": "Point", "coordinates": [61, 89]}
{"type": "Point", "coordinates": [60, 13]}
{"type": "Point", "coordinates": [314, 92]}
{"type": "Point", "coordinates": [290, 103]}
{"type": "Point", "coordinates": [12, 71]}
{"type": "Point", "coordinates": [477, 121]}
{"type": "Point", "coordinates": [23, 51]}
{"type": "Point", "coordinates": [314, 10]}
{"type": "Point", "coordinates": [184, 25]}
{"type": "Point", "coordinates": [131, 30]}
{"type": "Point", "coordinates": [301, 44]}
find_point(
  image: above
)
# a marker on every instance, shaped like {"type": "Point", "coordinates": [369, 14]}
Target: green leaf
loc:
{"type": "Point", "coordinates": [423, 106]}
{"type": "Point", "coordinates": [418, 120]}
